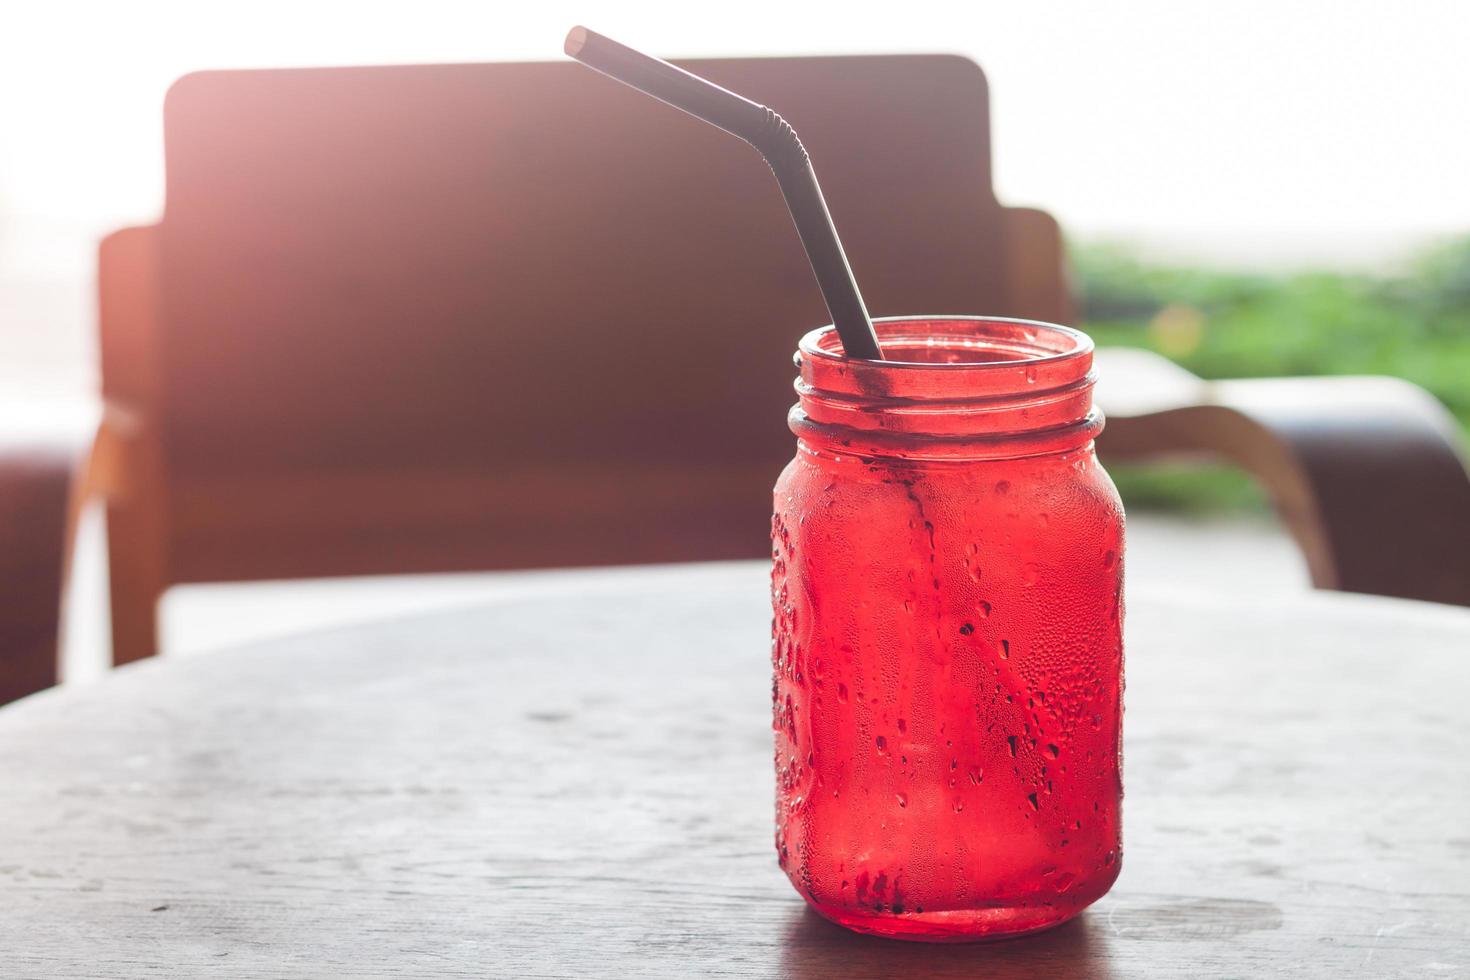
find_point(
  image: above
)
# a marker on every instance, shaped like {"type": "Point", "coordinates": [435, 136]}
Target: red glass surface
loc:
{"type": "Point", "coordinates": [947, 643]}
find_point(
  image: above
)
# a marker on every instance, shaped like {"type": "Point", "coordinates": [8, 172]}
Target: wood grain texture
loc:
{"type": "Point", "coordinates": [580, 786]}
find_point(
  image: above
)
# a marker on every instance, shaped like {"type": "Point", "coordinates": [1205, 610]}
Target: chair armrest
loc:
{"type": "Point", "coordinates": [46, 473]}
{"type": "Point", "coordinates": [1367, 473]}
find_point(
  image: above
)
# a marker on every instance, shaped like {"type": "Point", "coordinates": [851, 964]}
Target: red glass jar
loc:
{"type": "Point", "coordinates": [947, 640]}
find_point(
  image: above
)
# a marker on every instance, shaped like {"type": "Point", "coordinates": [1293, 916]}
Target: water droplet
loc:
{"type": "Point", "coordinates": [1111, 857]}
{"type": "Point", "coordinates": [903, 799]}
{"type": "Point", "coordinates": [1109, 557]}
{"type": "Point", "coordinates": [1005, 649]}
{"type": "Point", "coordinates": [882, 744]}
{"type": "Point", "coordinates": [1030, 374]}
{"type": "Point", "coordinates": [1003, 487]}
{"type": "Point", "coordinates": [1031, 797]}
{"type": "Point", "coordinates": [842, 693]}
{"type": "Point", "coordinates": [1065, 881]}
{"type": "Point", "coordinates": [959, 805]}
{"type": "Point", "coordinates": [954, 764]}
{"type": "Point", "coordinates": [1011, 740]}
{"type": "Point", "coordinates": [984, 609]}
{"type": "Point", "coordinates": [977, 775]}
{"type": "Point", "coordinates": [903, 726]}
{"type": "Point", "coordinates": [967, 629]}
{"type": "Point", "coordinates": [908, 606]}
{"type": "Point", "coordinates": [1030, 574]}
{"type": "Point", "coordinates": [1052, 749]}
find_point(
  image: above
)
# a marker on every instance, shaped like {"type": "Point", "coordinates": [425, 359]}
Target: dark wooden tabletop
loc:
{"type": "Point", "coordinates": [580, 785]}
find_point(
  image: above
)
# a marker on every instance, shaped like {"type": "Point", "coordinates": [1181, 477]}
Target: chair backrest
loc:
{"type": "Point", "coordinates": [478, 316]}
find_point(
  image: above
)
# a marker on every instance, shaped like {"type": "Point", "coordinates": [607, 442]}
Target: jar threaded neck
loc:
{"type": "Point", "coordinates": [952, 388]}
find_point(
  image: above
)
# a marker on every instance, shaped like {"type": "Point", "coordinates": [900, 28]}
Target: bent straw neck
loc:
{"type": "Point", "coordinates": [783, 151]}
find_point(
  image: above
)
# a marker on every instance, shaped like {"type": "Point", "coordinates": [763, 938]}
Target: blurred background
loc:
{"type": "Point", "coordinates": [1251, 189]}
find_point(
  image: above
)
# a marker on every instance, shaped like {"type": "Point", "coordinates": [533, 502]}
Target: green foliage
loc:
{"type": "Point", "coordinates": [1222, 324]}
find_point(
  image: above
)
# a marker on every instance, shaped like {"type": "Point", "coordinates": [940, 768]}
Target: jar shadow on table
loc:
{"type": "Point", "coordinates": [815, 949]}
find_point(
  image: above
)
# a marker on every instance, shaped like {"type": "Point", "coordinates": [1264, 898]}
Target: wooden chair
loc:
{"type": "Point", "coordinates": [503, 316]}
{"type": "Point", "coordinates": [1366, 473]}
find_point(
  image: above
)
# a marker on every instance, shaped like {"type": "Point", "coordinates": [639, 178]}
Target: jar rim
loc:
{"type": "Point", "coordinates": [976, 387]}
{"type": "Point", "coordinates": [1032, 342]}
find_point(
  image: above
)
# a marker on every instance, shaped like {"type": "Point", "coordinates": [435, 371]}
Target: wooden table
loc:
{"type": "Point", "coordinates": [580, 785]}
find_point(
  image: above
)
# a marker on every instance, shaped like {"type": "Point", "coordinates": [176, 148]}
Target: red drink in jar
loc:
{"type": "Point", "coordinates": [947, 588]}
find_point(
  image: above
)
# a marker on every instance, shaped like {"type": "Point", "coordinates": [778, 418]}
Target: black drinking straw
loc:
{"type": "Point", "coordinates": [776, 141]}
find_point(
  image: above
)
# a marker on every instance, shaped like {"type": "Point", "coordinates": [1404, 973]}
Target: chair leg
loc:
{"type": "Point", "coordinates": [135, 580]}
{"type": "Point", "coordinates": [34, 495]}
